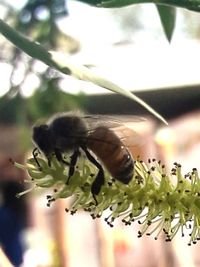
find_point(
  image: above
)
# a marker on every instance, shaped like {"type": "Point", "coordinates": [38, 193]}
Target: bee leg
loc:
{"type": "Point", "coordinates": [35, 154]}
{"type": "Point", "coordinates": [99, 180]}
{"type": "Point", "coordinates": [60, 158]}
{"type": "Point", "coordinates": [49, 161]}
{"type": "Point", "coordinates": [74, 158]}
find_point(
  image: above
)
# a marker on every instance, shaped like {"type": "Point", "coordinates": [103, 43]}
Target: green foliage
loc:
{"type": "Point", "coordinates": [12, 109]}
{"type": "Point", "coordinates": [49, 99]}
{"type": "Point", "coordinates": [46, 100]}
{"type": "Point", "coordinates": [168, 19]}
{"type": "Point", "coordinates": [188, 4]}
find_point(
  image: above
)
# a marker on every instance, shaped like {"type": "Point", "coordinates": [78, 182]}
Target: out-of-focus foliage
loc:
{"type": "Point", "coordinates": [36, 20]}
{"type": "Point", "coordinates": [12, 109]}
{"type": "Point", "coordinates": [47, 99]}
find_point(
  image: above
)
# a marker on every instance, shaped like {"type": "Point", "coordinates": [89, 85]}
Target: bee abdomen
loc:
{"type": "Point", "coordinates": [112, 152]}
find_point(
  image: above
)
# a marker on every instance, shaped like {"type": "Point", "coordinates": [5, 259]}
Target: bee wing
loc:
{"type": "Point", "coordinates": [114, 121]}
{"type": "Point", "coordinates": [121, 125]}
{"type": "Point", "coordinates": [129, 137]}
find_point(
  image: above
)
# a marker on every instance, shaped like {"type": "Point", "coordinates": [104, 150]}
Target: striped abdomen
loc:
{"type": "Point", "coordinates": [107, 146]}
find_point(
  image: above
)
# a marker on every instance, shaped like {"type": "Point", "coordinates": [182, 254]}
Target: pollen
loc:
{"type": "Point", "coordinates": [159, 201]}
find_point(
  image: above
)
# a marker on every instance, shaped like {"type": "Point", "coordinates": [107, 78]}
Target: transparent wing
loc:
{"type": "Point", "coordinates": [113, 121]}
{"type": "Point", "coordinates": [129, 137]}
{"type": "Point", "coordinates": [122, 125]}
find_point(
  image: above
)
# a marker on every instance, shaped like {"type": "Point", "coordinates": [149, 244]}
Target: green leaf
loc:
{"type": "Point", "coordinates": [83, 73]}
{"type": "Point", "coordinates": [62, 64]}
{"type": "Point", "coordinates": [168, 19]}
{"type": "Point", "coordinates": [188, 4]}
{"type": "Point", "coordinates": [91, 2]}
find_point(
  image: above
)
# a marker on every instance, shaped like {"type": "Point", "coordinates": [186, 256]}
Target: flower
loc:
{"type": "Point", "coordinates": [159, 201]}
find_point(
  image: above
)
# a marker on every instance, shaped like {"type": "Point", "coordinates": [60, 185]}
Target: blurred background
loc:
{"type": "Point", "coordinates": [127, 46]}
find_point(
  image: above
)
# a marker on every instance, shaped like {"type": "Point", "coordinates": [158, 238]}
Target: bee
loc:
{"type": "Point", "coordinates": [95, 136]}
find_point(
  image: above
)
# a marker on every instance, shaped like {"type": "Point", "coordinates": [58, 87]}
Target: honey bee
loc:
{"type": "Point", "coordinates": [95, 136]}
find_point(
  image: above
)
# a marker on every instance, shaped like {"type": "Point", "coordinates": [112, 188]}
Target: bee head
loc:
{"type": "Point", "coordinates": [42, 137]}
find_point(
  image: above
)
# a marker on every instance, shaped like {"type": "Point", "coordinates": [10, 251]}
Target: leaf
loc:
{"type": "Point", "coordinates": [62, 64]}
{"type": "Point", "coordinates": [188, 4]}
{"type": "Point", "coordinates": [168, 19]}
{"type": "Point", "coordinates": [83, 73]}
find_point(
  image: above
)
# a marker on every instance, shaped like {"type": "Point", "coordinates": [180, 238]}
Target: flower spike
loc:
{"type": "Point", "coordinates": [159, 201]}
